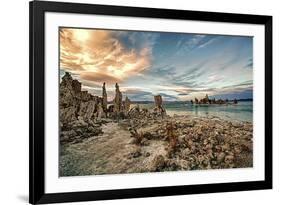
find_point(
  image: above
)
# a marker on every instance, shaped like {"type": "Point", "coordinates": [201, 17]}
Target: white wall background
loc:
{"type": "Point", "coordinates": [14, 100]}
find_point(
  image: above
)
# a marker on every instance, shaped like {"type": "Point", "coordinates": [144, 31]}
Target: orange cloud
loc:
{"type": "Point", "coordinates": [98, 77]}
{"type": "Point", "coordinates": [98, 55]}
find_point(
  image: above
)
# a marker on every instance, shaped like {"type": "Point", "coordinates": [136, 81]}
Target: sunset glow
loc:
{"type": "Point", "coordinates": [178, 66]}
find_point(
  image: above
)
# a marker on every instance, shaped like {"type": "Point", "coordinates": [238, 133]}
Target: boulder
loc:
{"type": "Point", "coordinates": [117, 100]}
{"type": "Point", "coordinates": [87, 110]}
{"type": "Point", "coordinates": [157, 163]}
{"type": "Point", "coordinates": [158, 110]}
{"type": "Point", "coordinates": [104, 98]}
{"type": "Point", "coordinates": [68, 114]}
{"type": "Point", "coordinates": [127, 104]}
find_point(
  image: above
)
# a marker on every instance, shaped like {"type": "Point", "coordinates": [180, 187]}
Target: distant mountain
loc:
{"type": "Point", "coordinates": [142, 102]}
{"type": "Point", "coordinates": [247, 99]}
{"type": "Point", "coordinates": [183, 102]}
{"type": "Point", "coordinates": [247, 94]}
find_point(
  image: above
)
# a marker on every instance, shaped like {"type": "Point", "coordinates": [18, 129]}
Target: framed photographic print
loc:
{"type": "Point", "coordinates": [141, 102]}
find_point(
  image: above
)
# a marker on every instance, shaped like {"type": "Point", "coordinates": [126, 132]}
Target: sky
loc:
{"type": "Point", "coordinates": [178, 66]}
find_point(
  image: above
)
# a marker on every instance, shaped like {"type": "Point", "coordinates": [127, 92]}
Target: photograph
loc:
{"type": "Point", "coordinates": [151, 101]}
{"type": "Point", "coordinates": [133, 102]}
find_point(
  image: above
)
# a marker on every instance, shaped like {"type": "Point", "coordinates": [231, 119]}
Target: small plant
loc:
{"type": "Point", "coordinates": [138, 136]}
{"type": "Point", "coordinates": [172, 138]}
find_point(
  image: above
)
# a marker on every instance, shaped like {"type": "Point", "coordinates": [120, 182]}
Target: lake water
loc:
{"type": "Point", "coordinates": [243, 111]}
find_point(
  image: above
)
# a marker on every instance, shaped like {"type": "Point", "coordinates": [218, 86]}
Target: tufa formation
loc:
{"type": "Point", "coordinates": [77, 104]}
{"type": "Point", "coordinates": [207, 100]}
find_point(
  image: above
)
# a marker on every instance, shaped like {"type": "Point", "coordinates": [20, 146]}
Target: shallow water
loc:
{"type": "Point", "coordinates": [243, 111]}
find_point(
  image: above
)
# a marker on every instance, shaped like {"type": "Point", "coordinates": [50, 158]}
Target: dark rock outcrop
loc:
{"type": "Point", "coordinates": [117, 100]}
{"type": "Point", "coordinates": [126, 105]}
{"type": "Point", "coordinates": [206, 100]}
{"type": "Point", "coordinates": [104, 99]}
{"type": "Point", "coordinates": [159, 109]}
{"type": "Point", "coordinates": [78, 111]}
{"type": "Point", "coordinates": [80, 107]}
{"type": "Point", "coordinates": [74, 102]}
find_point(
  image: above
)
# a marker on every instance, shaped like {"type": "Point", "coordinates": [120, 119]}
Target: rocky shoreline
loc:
{"type": "Point", "coordinates": [150, 145]}
{"type": "Point", "coordinates": [120, 139]}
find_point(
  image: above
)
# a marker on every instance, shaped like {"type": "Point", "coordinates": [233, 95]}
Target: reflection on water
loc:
{"type": "Point", "coordinates": [243, 111]}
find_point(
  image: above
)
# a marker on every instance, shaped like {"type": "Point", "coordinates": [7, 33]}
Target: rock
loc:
{"type": "Point", "coordinates": [157, 164]}
{"type": "Point", "coordinates": [105, 120]}
{"type": "Point", "coordinates": [201, 158]}
{"type": "Point", "coordinates": [218, 148]}
{"type": "Point", "coordinates": [132, 141]}
{"type": "Point", "coordinates": [127, 104]}
{"type": "Point", "coordinates": [147, 135]}
{"type": "Point", "coordinates": [192, 160]}
{"type": "Point", "coordinates": [237, 149]}
{"type": "Point", "coordinates": [186, 152]}
{"type": "Point", "coordinates": [159, 110]}
{"type": "Point", "coordinates": [85, 96]}
{"type": "Point", "coordinates": [184, 165]}
{"type": "Point", "coordinates": [68, 114]}
{"type": "Point", "coordinates": [190, 124]}
{"type": "Point", "coordinates": [209, 153]}
{"type": "Point", "coordinates": [87, 109]}
{"type": "Point", "coordinates": [181, 139]}
{"type": "Point", "coordinates": [208, 146]}
{"type": "Point", "coordinates": [247, 146]}
{"type": "Point", "coordinates": [73, 102]}
{"type": "Point", "coordinates": [225, 147]}
{"type": "Point", "coordinates": [158, 101]}
{"type": "Point", "coordinates": [69, 91]}
{"type": "Point", "coordinates": [171, 164]}
{"type": "Point", "coordinates": [76, 103]}
{"type": "Point", "coordinates": [95, 131]}
{"type": "Point", "coordinates": [117, 100]}
{"type": "Point", "coordinates": [229, 159]}
{"type": "Point", "coordinates": [80, 122]}
{"type": "Point", "coordinates": [147, 154]}
{"type": "Point", "coordinates": [190, 142]}
{"type": "Point", "coordinates": [134, 112]}
{"type": "Point", "coordinates": [104, 99]}
{"type": "Point", "coordinates": [136, 152]}
{"type": "Point", "coordinates": [161, 131]}
{"type": "Point", "coordinates": [66, 136]}
{"type": "Point", "coordinates": [100, 111]}
{"type": "Point", "coordinates": [172, 138]}
{"type": "Point", "coordinates": [220, 157]}
{"type": "Point", "coordinates": [144, 142]}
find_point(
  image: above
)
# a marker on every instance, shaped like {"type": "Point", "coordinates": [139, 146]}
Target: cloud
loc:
{"type": "Point", "coordinates": [97, 91]}
{"type": "Point", "coordinates": [245, 94]}
{"type": "Point", "coordinates": [249, 64]}
{"type": "Point", "coordinates": [181, 77]}
{"type": "Point", "coordinates": [100, 55]}
{"type": "Point", "coordinates": [137, 94]}
{"type": "Point", "coordinates": [133, 90]}
{"type": "Point", "coordinates": [245, 84]}
{"type": "Point", "coordinates": [179, 66]}
{"type": "Point", "coordinates": [167, 72]}
{"type": "Point", "coordinates": [99, 77]}
{"type": "Point", "coordinates": [167, 97]}
{"type": "Point", "coordinates": [137, 39]}
{"type": "Point", "coordinates": [207, 42]}
{"type": "Point", "coordinates": [184, 45]}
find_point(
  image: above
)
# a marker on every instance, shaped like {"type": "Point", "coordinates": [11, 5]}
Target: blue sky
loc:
{"type": "Point", "coordinates": [178, 66]}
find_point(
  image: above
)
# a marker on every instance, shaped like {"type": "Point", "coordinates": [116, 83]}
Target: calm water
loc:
{"type": "Point", "coordinates": [243, 111]}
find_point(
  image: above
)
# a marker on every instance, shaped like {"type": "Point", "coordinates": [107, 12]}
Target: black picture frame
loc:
{"type": "Point", "coordinates": [37, 9]}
